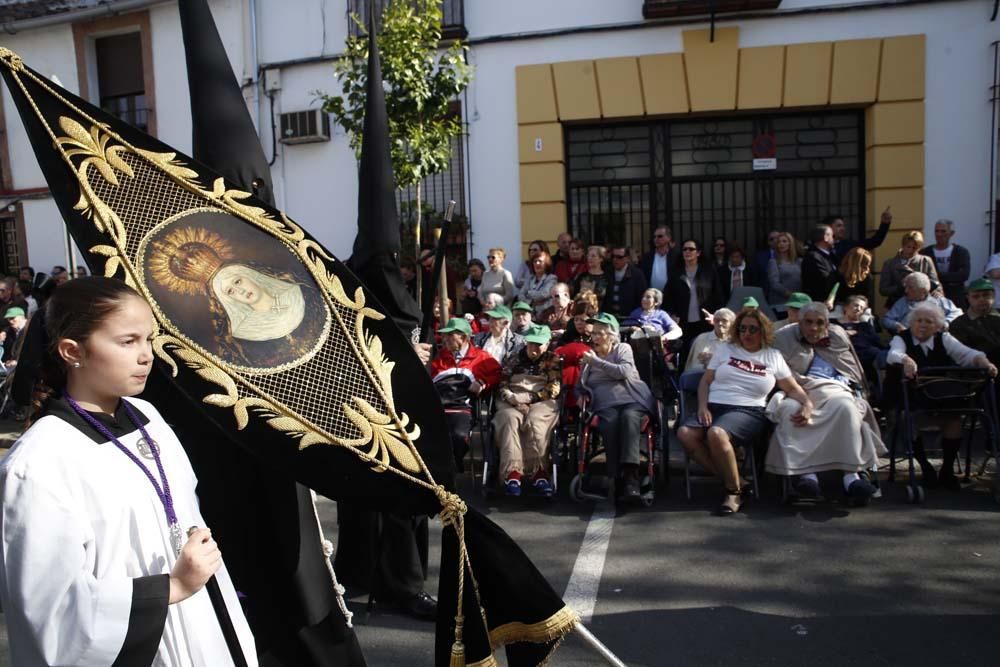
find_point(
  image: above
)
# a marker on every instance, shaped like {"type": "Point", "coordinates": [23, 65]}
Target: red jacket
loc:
{"type": "Point", "coordinates": [452, 380]}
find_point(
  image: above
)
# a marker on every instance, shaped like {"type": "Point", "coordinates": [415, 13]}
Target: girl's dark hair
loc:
{"type": "Point", "coordinates": [75, 310]}
{"type": "Point", "coordinates": [477, 262]}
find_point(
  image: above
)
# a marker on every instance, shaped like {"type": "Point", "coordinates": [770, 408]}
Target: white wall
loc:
{"type": "Point", "coordinates": [959, 70]}
{"type": "Point", "coordinates": [317, 183]}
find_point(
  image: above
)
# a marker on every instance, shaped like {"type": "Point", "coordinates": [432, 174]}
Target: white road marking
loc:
{"type": "Point", "coordinates": [584, 583]}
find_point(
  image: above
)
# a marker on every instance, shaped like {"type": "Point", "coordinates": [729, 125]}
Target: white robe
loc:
{"type": "Point", "coordinates": [79, 522]}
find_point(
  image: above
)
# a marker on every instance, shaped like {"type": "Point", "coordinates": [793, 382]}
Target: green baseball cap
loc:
{"type": "Point", "coordinates": [538, 333]}
{"type": "Point", "coordinates": [14, 311]}
{"type": "Point", "coordinates": [500, 312]}
{"type": "Point", "coordinates": [521, 305]}
{"type": "Point", "coordinates": [456, 325]}
{"type": "Point", "coordinates": [750, 302]}
{"type": "Point", "coordinates": [981, 285]}
{"type": "Point", "coordinates": [606, 319]}
{"type": "Point", "coordinates": [798, 300]}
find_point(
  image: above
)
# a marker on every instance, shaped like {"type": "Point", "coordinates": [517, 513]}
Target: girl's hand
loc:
{"type": "Point", "coordinates": [200, 558]}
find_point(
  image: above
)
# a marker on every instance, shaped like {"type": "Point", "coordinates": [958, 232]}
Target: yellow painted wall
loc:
{"type": "Point", "coordinates": [807, 74]}
{"type": "Point", "coordinates": [762, 77]}
{"type": "Point", "coordinates": [664, 84]}
{"type": "Point", "coordinates": [619, 88]}
{"type": "Point", "coordinates": [712, 68]}
{"type": "Point", "coordinates": [885, 75]}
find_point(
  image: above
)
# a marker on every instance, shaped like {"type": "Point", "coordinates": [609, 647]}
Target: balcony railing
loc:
{"type": "Point", "coordinates": [659, 9]}
{"type": "Point", "coordinates": [452, 17]}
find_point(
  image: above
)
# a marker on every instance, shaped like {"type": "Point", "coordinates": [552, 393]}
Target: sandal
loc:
{"type": "Point", "coordinates": [731, 503]}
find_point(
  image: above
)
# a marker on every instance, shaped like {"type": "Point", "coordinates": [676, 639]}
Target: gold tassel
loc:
{"type": "Point", "coordinates": [457, 655]}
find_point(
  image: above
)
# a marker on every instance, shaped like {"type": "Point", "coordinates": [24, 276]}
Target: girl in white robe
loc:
{"type": "Point", "coordinates": [89, 572]}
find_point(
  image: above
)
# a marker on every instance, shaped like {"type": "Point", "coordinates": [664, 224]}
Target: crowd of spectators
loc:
{"type": "Point", "coordinates": [554, 331]}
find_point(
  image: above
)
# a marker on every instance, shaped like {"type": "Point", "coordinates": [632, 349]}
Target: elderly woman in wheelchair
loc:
{"type": "Point", "coordinates": [926, 344]}
{"type": "Point", "coordinates": [619, 398]}
{"type": "Point", "coordinates": [731, 400]}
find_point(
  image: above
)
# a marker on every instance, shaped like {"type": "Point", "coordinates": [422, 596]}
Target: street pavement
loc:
{"type": "Point", "coordinates": [813, 585]}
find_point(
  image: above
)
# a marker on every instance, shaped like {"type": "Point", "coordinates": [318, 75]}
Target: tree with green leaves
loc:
{"type": "Point", "coordinates": [420, 78]}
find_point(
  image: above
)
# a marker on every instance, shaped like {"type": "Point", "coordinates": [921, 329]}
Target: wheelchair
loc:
{"type": "Point", "coordinates": [945, 390]}
{"type": "Point", "coordinates": [491, 482]}
{"type": "Point", "coordinates": [588, 458]}
{"type": "Point", "coordinates": [688, 389]}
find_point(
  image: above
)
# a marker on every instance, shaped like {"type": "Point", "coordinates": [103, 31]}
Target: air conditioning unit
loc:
{"type": "Point", "coordinates": [305, 127]}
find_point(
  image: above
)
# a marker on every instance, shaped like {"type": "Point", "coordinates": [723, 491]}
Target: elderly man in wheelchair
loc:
{"type": "Point", "coordinates": [926, 344]}
{"type": "Point", "coordinates": [527, 411]}
{"type": "Point", "coordinates": [842, 434]}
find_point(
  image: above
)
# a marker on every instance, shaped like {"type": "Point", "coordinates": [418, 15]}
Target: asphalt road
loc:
{"type": "Point", "coordinates": [892, 584]}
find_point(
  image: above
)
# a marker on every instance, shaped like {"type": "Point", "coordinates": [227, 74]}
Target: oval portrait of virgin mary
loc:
{"type": "Point", "coordinates": [234, 290]}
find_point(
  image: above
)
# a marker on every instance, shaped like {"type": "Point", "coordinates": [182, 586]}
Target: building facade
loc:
{"type": "Point", "coordinates": [601, 118]}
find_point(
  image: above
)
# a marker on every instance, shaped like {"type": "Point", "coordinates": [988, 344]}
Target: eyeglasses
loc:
{"type": "Point", "coordinates": [748, 328]}
{"type": "Point", "coordinates": [491, 257]}
{"type": "Point", "coordinates": [618, 256]}
{"type": "Point", "coordinates": [689, 248]}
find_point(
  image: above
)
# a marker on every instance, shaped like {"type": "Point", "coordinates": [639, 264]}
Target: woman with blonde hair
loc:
{"type": "Point", "coordinates": [732, 397]}
{"type": "Point", "coordinates": [856, 275]}
{"type": "Point", "coordinates": [908, 260]}
{"type": "Point", "coordinates": [784, 270]}
{"type": "Point", "coordinates": [496, 279]}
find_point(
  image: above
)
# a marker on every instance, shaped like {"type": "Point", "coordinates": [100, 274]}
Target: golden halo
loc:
{"type": "Point", "coordinates": [165, 253]}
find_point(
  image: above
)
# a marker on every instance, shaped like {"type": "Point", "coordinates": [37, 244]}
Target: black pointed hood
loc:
{"type": "Point", "coordinates": [224, 136]}
{"type": "Point", "coordinates": [377, 245]}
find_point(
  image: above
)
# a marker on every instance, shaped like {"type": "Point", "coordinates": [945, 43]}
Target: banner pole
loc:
{"type": "Point", "coordinates": [598, 646]}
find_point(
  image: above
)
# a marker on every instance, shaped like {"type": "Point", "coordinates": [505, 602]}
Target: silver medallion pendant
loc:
{"type": "Point", "coordinates": [147, 449]}
{"type": "Point", "coordinates": [176, 538]}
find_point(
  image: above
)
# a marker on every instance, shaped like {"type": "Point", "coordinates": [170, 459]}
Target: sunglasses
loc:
{"type": "Point", "coordinates": [748, 328]}
{"type": "Point", "coordinates": [491, 257]}
{"type": "Point", "coordinates": [689, 249]}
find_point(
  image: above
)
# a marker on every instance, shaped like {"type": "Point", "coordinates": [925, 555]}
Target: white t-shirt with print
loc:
{"type": "Point", "coordinates": [745, 378]}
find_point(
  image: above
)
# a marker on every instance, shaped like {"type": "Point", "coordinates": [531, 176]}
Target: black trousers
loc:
{"type": "Point", "coordinates": [459, 423]}
{"type": "Point", "coordinates": [381, 552]}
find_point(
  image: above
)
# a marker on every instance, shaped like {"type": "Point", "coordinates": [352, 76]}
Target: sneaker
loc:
{"type": "Point", "coordinates": [512, 487]}
{"type": "Point", "coordinates": [860, 492]}
{"type": "Point", "coordinates": [543, 487]}
{"type": "Point", "coordinates": [807, 487]}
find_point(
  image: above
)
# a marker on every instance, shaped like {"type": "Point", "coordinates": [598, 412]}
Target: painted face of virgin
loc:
{"type": "Point", "coordinates": [242, 289]}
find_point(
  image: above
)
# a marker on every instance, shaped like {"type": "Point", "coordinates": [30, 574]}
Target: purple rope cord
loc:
{"type": "Point", "coordinates": [164, 491]}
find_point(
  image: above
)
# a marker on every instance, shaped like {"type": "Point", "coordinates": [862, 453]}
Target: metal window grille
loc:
{"type": "Point", "coordinates": [452, 17]}
{"type": "Point", "coordinates": [697, 176]}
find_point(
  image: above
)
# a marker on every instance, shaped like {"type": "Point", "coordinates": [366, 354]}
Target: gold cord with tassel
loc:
{"type": "Point", "coordinates": [453, 511]}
